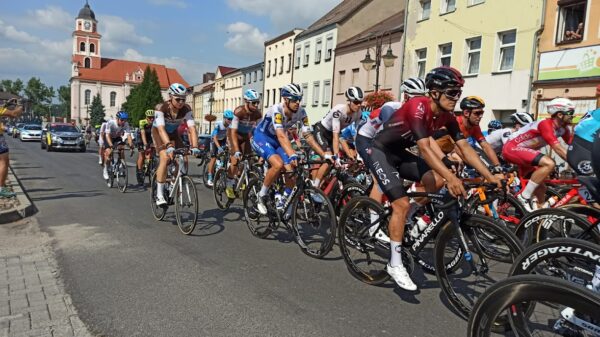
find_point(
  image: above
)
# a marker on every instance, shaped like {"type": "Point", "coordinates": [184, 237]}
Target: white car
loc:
{"type": "Point", "coordinates": [31, 132]}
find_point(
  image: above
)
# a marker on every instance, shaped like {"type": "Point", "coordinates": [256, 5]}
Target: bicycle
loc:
{"type": "Point", "coordinates": [179, 190]}
{"type": "Point", "coordinates": [222, 161]}
{"type": "Point", "coordinates": [150, 163]}
{"type": "Point", "coordinates": [117, 170]}
{"type": "Point", "coordinates": [241, 182]}
{"type": "Point", "coordinates": [301, 214]}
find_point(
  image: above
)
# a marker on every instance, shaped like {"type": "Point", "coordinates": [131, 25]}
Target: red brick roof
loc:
{"type": "Point", "coordinates": [226, 70]}
{"type": "Point", "coordinates": [114, 71]}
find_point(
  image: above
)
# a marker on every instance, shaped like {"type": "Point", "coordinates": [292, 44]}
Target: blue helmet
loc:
{"type": "Point", "coordinates": [228, 114]}
{"type": "Point", "coordinates": [177, 89]}
{"type": "Point", "coordinates": [251, 95]}
{"type": "Point", "coordinates": [365, 115]}
{"type": "Point", "coordinates": [122, 115]}
{"type": "Point", "coordinates": [495, 125]}
{"type": "Point", "coordinates": [292, 90]}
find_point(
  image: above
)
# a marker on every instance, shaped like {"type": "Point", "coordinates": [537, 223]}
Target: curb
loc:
{"type": "Point", "coordinates": [26, 207]}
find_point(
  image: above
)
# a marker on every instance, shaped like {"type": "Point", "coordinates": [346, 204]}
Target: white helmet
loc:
{"type": "Point", "coordinates": [177, 89]}
{"type": "Point", "coordinates": [292, 90]}
{"type": "Point", "coordinates": [564, 105]}
{"type": "Point", "coordinates": [413, 86]}
{"type": "Point", "coordinates": [521, 118]}
{"type": "Point", "coordinates": [355, 94]}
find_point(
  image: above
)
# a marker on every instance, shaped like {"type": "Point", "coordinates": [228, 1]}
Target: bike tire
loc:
{"type": "Point", "coordinates": [121, 176]}
{"type": "Point", "coordinates": [219, 194]}
{"type": "Point", "coordinates": [157, 211]}
{"type": "Point", "coordinates": [487, 240]}
{"type": "Point", "coordinates": [513, 291]}
{"type": "Point", "coordinates": [205, 176]}
{"type": "Point", "coordinates": [186, 192]}
{"type": "Point", "coordinates": [350, 191]}
{"type": "Point", "coordinates": [317, 236]}
{"type": "Point", "coordinates": [257, 224]}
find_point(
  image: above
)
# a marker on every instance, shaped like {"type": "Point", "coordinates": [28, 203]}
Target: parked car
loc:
{"type": "Point", "coordinates": [17, 129]}
{"type": "Point", "coordinates": [30, 132]}
{"type": "Point", "coordinates": [58, 136]}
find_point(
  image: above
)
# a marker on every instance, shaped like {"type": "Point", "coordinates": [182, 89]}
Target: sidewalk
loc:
{"type": "Point", "coordinates": [19, 207]}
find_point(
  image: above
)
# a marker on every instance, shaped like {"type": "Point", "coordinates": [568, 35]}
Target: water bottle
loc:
{"type": "Point", "coordinates": [596, 279]}
{"type": "Point", "coordinates": [219, 164]}
{"type": "Point", "coordinates": [422, 223]}
{"type": "Point", "coordinates": [279, 201]}
{"type": "Point", "coordinates": [551, 202]}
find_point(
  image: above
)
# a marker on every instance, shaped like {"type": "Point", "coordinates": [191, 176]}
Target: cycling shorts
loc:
{"type": "Point", "coordinates": [267, 146]}
{"type": "Point", "coordinates": [3, 145]}
{"type": "Point", "coordinates": [362, 145]}
{"type": "Point", "coordinates": [390, 168]}
{"type": "Point", "coordinates": [525, 158]}
{"type": "Point", "coordinates": [579, 156]}
{"type": "Point", "coordinates": [324, 137]}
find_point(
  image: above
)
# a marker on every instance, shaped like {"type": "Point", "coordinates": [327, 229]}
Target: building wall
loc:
{"type": "Point", "coordinates": [253, 78]}
{"type": "Point", "coordinates": [219, 95]}
{"type": "Point", "coordinates": [207, 109]}
{"type": "Point", "coordinates": [375, 11]}
{"type": "Point", "coordinates": [591, 32]}
{"type": "Point", "coordinates": [504, 92]}
{"type": "Point", "coordinates": [273, 81]}
{"type": "Point", "coordinates": [233, 90]}
{"type": "Point", "coordinates": [315, 73]}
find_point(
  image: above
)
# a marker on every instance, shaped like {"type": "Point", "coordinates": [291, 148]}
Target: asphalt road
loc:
{"type": "Point", "coordinates": [130, 275]}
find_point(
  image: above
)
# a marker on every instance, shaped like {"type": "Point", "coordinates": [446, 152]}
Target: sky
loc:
{"type": "Point", "coordinates": [192, 36]}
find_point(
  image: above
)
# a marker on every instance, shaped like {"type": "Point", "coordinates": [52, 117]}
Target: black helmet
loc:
{"type": "Point", "coordinates": [443, 77]}
{"type": "Point", "coordinates": [472, 102]}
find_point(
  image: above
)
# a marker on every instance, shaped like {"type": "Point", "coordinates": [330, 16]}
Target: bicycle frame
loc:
{"type": "Point", "coordinates": [177, 181]}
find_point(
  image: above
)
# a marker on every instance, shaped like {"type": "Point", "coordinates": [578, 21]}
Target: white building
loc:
{"type": "Point", "coordinates": [233, 89]}
{"type": "Point", "coordinates": [279, 54]}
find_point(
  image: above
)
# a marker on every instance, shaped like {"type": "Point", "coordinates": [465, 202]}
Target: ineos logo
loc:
{"type": "Point", "coordinates": [380, 174]}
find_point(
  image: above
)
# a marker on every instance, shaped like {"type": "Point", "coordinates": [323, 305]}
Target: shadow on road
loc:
{"type": "Point", "coordinates": [33, 190]}
{"type": "Point", "coordinates": [82, 194]}
{"type": "Point", "coordinates": [17, 167]}
{"type": "Point", "coordinates": [36, 178]}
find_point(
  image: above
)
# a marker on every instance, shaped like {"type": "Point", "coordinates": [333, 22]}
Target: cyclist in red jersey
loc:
{"type": "Point", "coordinates": [472, 108]}
{"type": "Point", "coordinates": [414, 123]}
{"type": "Point", "coordinates": [523, 145]}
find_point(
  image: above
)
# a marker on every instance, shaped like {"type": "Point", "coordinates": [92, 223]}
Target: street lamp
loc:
{"type": "Point", "coordinates": [388, 59]}
{"type": "Point", "coordinates": [211, 99]}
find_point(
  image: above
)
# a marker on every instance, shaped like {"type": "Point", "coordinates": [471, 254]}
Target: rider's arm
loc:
{"type": "Point", "coordinates": [560, 150]}
{"type": "Point", "coordinates": [284, 141]}
{"type": "Point", "coordinates": [470, 157]}
{"type": "Point", "coordinates": [432, 158]}
{"type": "Point", "coordinates": [546, 128]}
{"type": "Point", "coordinates": [335, 128]}
{"type": "Point", "coordinates": [160, 125]}
{"type": "Point", "coordinates": [107, 136]}
{"type": "Point", "coordinates": [193, 134]}
{"type": "Point", "coordinates": [143, 135]}
{"type": "Point", "coordinates": [490, 153]}
{"type": "Point", "coordinates": [233, 133]}
{"type": "Point", "coordinates": [310, 138]}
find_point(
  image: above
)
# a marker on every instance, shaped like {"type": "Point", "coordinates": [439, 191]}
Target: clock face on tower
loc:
{"type": "Point", "coordinates": [87, 25]}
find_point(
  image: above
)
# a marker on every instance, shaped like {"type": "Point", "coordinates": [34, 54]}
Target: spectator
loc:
{"type": "Point", "coordinates": [11, 110]}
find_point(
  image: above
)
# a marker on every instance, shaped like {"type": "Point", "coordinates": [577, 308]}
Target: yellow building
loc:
{"type": "Point", "coordinates": [490, 41]}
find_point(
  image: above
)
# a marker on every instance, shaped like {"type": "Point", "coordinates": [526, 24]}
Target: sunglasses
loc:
{"type": "Point", "coordinates": [453, 94]}
{"type": "Point", "coordinates": [254, 103]}
{"type": "Point", "coordinates": [179, 100]}
{"type": "Point", "coordinates": [477, 113]}
{"type": "Point", "coordinates": [357, 102]}
{"type": "Point", "coordinates": [569, 112]}
{"type": "Point", "coordinates": [295, 99]}
{"type": "Point", "coordinates": [229, 119]}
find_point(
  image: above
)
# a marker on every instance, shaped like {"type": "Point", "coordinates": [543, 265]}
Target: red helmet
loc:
{"type": "Point", "coordinates": [443, 77]}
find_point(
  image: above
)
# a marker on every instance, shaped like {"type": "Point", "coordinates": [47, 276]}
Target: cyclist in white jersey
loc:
{"type": "Point", "coordinates": [101, 144]}
{"type": "Point", "coordinates": [498, 138]}
{"type": "Point", "coordinates": [115, 131]}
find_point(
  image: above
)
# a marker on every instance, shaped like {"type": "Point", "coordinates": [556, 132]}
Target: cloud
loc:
{"type": "Point", "coordinates": [245, 39]}
{"type": "Point", "coordinates": [118, 34]}
{"type": "Point", "coordinates": [12, 33]}
{"type": "Point", "coordinates": [286, 14]}
{"type": "Point", "coordinates": [173, 3]}
{"type": "Point", "coordinates": [51, 16]}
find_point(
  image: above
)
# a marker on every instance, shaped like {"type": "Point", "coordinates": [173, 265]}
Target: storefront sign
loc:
{"type": "Point", "coordinates": [570, 63]}
{"type": "Point", "coordinates": [581, 108]}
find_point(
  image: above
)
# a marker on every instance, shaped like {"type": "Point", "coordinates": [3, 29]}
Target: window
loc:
{"type": "Point", "coordinates": [421, 62]}
{"type": "Point", "coordinates": [267, 100]}
{"type": "Point", "coordinates": [255, 77]}
{"type": "Point", "coordinates": [507, 49]}
{"type": "Point", "coordinates": [570, 20]}
{"type": "Point", "coordinates": [328, 47]}
{"type": "Point", "coordinates": [448, 6]}
{"type": "Point", "coordinates": [113, 98]}
{"type": "Point", "coordinates": [281, 66]}
{"type": "Point", "coordinates": [92, 48]}
{"type": "Point", "coordinates": [289, 62]}
{"type": "Point", "coordinates": [273, 93]}
{"type": "Point", "coordinates": [354, 80]}
{"type": "Point", "coordinates": [275, 67]}
{"type": "Point", "coordinates": [425, 9]}
{"type": "Point", "coordinates": [306, 53]}
{"type": "Point", "coordinates": [475, 2]}
{"type": "Point", "coordinates": [269, 69]}
{"type": "Point", "coordinates": [445, 54]}
{"type": "Point", "coordinates": [298, 56]}
{"type": "Point", "coordinates": [82, 46]}
{"type": "Point", "coordinates": [87, 63]}
{"type": "Point", "coordinates": [341, 81]}
{"type": "Point", "coordinates": [316, 92]}
{"type": "Point", "coordinates": [318, 47]}
{"type": "Point", "coordinates": [326, 92]}
{"type": "Point", "coordinates": [473, 54]}
{"type": "Point", "coordinates": [261, 74]}
{"type": "Point", "coordinates": [304, 89]}
{"type": "Point", "coordinates": [86, 99]}
{"type": "Point", "coordinates": [245, 76]}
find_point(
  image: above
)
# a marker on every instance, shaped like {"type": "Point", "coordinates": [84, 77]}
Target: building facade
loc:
{"type": "Point", "coordinates": [494, 51]}
{"type": "Point", "coordinates": [206, 97]}
{"type": "Point", "coordinates": [348, 70]}
{"type": "Point", "coordinates": [92, 74]}
{"type": "Point", "coordinates": [233, 89]}
{"type": "Point", "coordinates": [197, 101]}
{"type": "Point", "coordinates": [253, 78]}
{"type": "Point", "coordinates": [568, 64]}
{"type": "Point", "coordinates": [218, 103]}
{"type": "Point", "coordinates": [278, 63]}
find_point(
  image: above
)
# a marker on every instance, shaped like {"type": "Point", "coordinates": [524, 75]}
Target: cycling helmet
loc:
{"type": "Point", "coordinates": [365, 115]}
{"type": "Point", "coordinates": [251, 95]}
{"type": "Point", "coordinates": [149, 113]}
{"type": "Point", "coordinates": [292, 90]}
{"type": "Point", "coordinates": [413, 86]}
{"type": "Point", "coordinates": [228, 114]}
{"type": "Point", "coordinates": [355, 94]}
{"type": "Point", "coordinates": [443, 77]}
{"type": "Point", "coordinates": [177, 89]}
{"type": "Point", "coordinates": [563, 105]}
{"type": "Point", "coordinates": [122, 115]}
{"type": "Point", "coordinates": [521, 118]}
{"type": "Point", "coordinates": [495, 125]}
{"type": "Point", "coordinates": [472, 102]}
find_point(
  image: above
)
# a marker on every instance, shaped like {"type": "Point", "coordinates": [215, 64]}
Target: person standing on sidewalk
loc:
{"type": "Point", "coordinates": [11, 110]}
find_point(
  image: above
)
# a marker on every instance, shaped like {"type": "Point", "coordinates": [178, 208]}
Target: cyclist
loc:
{"type": "Point", "coordinates": [271, 140]}
{"type": "Point", "coordinates": [523, 149]}
{"type": "Point", "coordinates": [579, 154]}
{"type": "Point", "coordinates": [327, 131]}
{"type": "Point", "coordinates": [168, 117]}
{"type": "Point", "coordinates": [101, 143]}
{"type": "Point", "coordinates": [244, 121]}
{"type": "Point", "coordinates": [219, 139]}
{"type": "Point", "coordinates": [498, 138]}
{"type": "Point", "coordinates": [493, 125]}
{"type": "Point", "coordinates": [144, 143]}
{"type": "Point", "coordinates": [414, 124]}
{"type": "Point", "coordinates": [115, 131]}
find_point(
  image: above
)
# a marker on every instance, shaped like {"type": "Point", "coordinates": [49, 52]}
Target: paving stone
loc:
{"type": "Point", "coordinates": [16, 284]}
{"type": "Point", "coordinates": [39, 316]}
{"type": "Point", "coordinates": [63, 330]}
{"type": "Point", "coordinates": [34, 297]}
{"type": "Point", "coordinates": [19, 325]}
{"type": "Point", "coordinates": [18, 304]}
{"type": "Point", "coordinates": [4, 309]}
{"type": "Point", "coordinates": [57, 310]}
{"type": "Point", "coordinates": [13, 260]}
{"type": "Point", "coordinates": [51, 290]}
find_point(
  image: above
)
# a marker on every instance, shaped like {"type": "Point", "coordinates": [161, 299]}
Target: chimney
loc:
{"type": "Point", "coordinates": [208, 77]}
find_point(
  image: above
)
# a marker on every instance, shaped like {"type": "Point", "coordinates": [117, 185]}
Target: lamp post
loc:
{"type": "Point", "coordinates": [388, 59]}
{"type": "Point", "coordinates": [211, 99]}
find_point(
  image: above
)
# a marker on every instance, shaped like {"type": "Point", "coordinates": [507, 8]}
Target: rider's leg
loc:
{"type": "Point", "coordinates": [535, 186]}
{"type": "Point", "coordinates": [321, 172]}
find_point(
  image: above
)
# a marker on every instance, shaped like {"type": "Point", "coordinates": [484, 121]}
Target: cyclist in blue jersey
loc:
{"type": "Point", "coordinates": [271, 140]}
{"type": "Point", "coordinates": [219, 138]}
{"type": "Point", "coordinates": [579, 154]}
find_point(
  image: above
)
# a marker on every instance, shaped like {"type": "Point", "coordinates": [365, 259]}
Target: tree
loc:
{"type": "Point", "coordinates": [14, 87]}
{"type": "Point", "coordinates": [64, 98]}
{"type": "Point", "coordinates": [143, 97]}
{"type": "Point", "coordinates": [96, 111]}
{"type": "Point", "coordinates": [39, 95]}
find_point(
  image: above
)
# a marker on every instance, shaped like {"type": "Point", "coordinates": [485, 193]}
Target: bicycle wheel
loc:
{"type": "Point", "coordinates": [258, 224]}
{"type": "Point", "coordinates": [121, 175]}
{"type": "Point", "coordinates": [157, 211]}
{"type": "Point", "coordinates": [551, 295]}
{"type": "Point", "coordinates": [220, 184]}
{"type": "Point", "coordinates": [558, 222]}
{"type": "Point", "coordinates": [205, 176]}
{"type": "Point", "coordinates": [313, 222]}
{"type": "Point", "coordinates": [186, 205]}
{"type": "Point", "coordinates": [350, 191]}
{"type": "Point", "coordinates": [492, 250]}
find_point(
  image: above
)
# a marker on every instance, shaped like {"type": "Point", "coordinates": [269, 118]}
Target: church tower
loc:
{"type": "Point", "coordinates": [86, 41]}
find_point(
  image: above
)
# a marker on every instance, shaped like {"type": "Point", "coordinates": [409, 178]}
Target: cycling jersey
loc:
{"type": "Point", "coordinates": [114, 131]}
{"type": "Point", "coordinates": [539, 134]}
{"type": "Point", "coordinates": [220, 131]}
{"type": "Point", "coordinates": [588, 125]}
{"type": "Point", "coordinates": [275, 118]}
{"type": "Point", "coordinates": [498, 138]}
{"type": "Point", "coordinates": [101, 134]}
{"type": "Point", "coordinates": [474, 131]}
{"type": "Point", "coordinates": [244, 122]}
{"type": "Point", "coordinates": [163, 118]}
{"type": "Point", "coordinates": [147, 129]}
{"type": "Point", "coordinates": [338, 118]}
{"type": "Point", "coordinates": [2, 111]}
{"type": "Point", "coordinates": [376, 118]}
{"type": "Point", "coordinates": [348, 133]}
